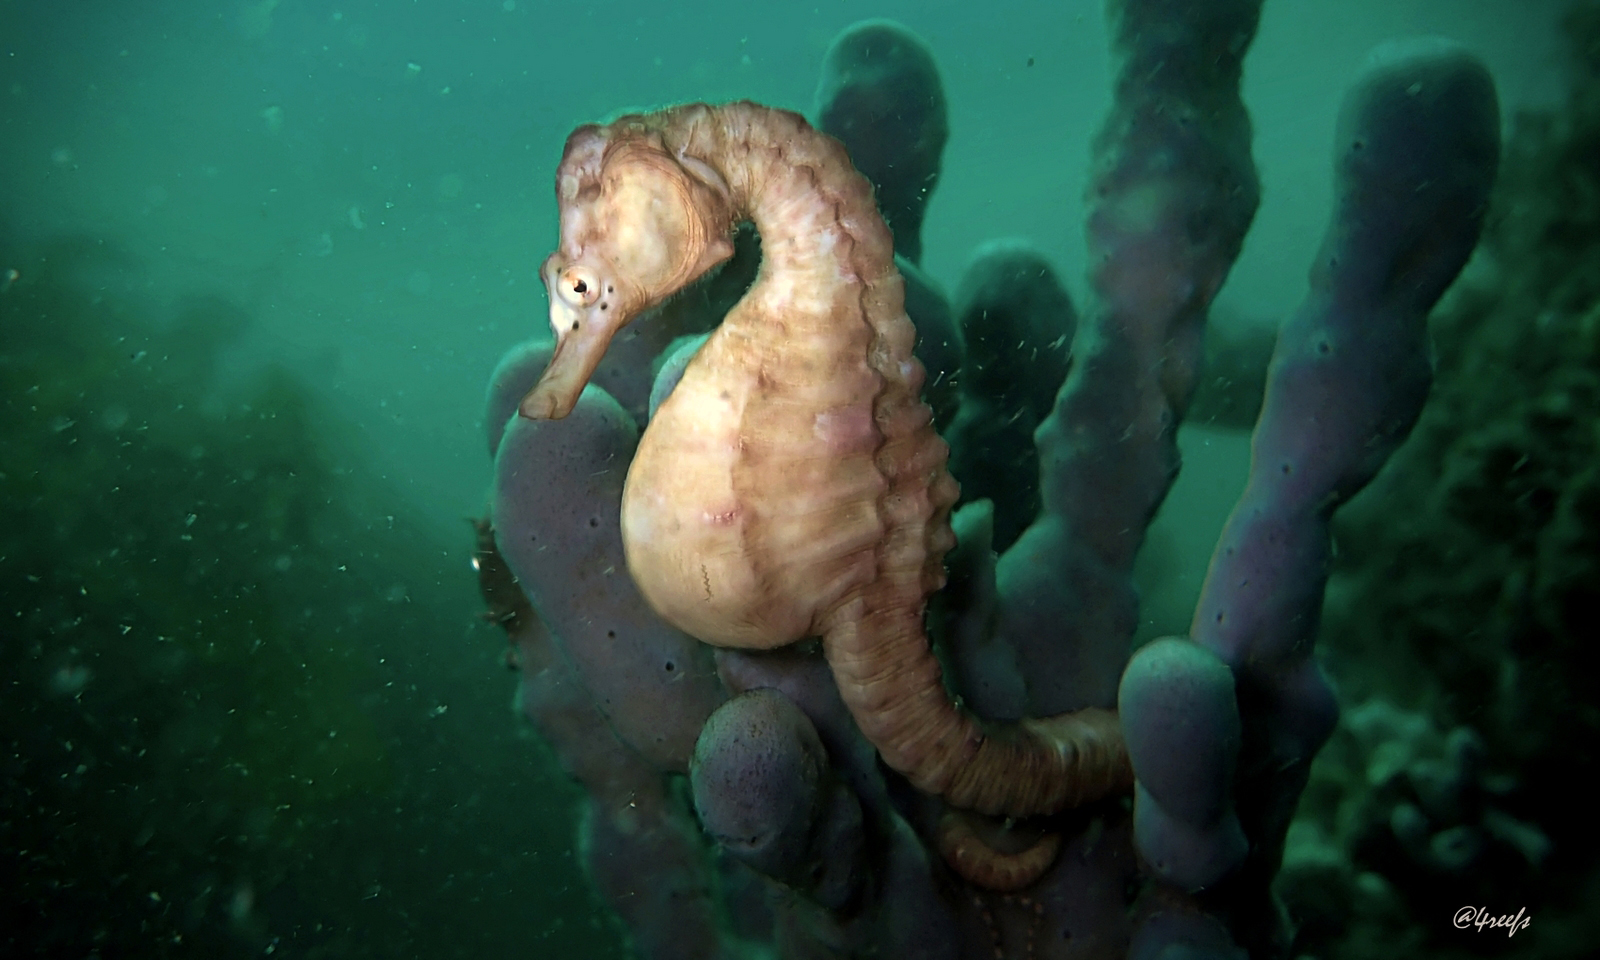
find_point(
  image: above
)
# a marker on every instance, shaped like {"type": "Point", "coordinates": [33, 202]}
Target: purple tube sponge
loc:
{"type": "Point", "coordinates": [876, 886]}
{"type": "Point", "coordinates": [636, 839]}
{"type": "Point", "coordinates": [1181, 720]}
{"type": "Point", "coordinates": [880, 94]}
{"type": "Point", "coordinates": [1173, 192]}
{"type": "Point", "coordinates": [556, 508]}
{"type": "Point", "coordinates": [962, 622]}
{"type": "Point", "coordinates": [1417, 150]}
{"type": "Point", "coordinates": [513, 377]}
{"type": "Point", "coordinates": [757, 775]}
{"type": "Point", "coordinates": [763, 790]}
{"type": "Point", "coordinates": [1016, 323]}
{"type": "Point", "coordinates": [1179, 931]}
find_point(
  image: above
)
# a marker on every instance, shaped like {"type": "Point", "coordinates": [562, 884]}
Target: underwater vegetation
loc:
{"type": "Point", "coordinates": [229, 659]}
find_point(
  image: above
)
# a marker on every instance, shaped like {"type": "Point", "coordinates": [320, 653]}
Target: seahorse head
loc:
{"type": "Point", "coordinates": [639, 221]}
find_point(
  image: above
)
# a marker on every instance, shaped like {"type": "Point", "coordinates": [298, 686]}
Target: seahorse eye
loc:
{"type": "Point", "coordinates": [579, 286]}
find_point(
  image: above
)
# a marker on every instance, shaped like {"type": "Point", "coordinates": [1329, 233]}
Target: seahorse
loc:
{"type": "Point", "coordinates": [792, 485]}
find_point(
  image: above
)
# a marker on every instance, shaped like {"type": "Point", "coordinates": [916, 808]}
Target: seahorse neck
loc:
{"type": "Point", "coordinates": [814, 212]}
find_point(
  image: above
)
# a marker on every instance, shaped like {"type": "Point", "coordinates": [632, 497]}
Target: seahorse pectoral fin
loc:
{"type": "Point", "coordinates": [582, 336]}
